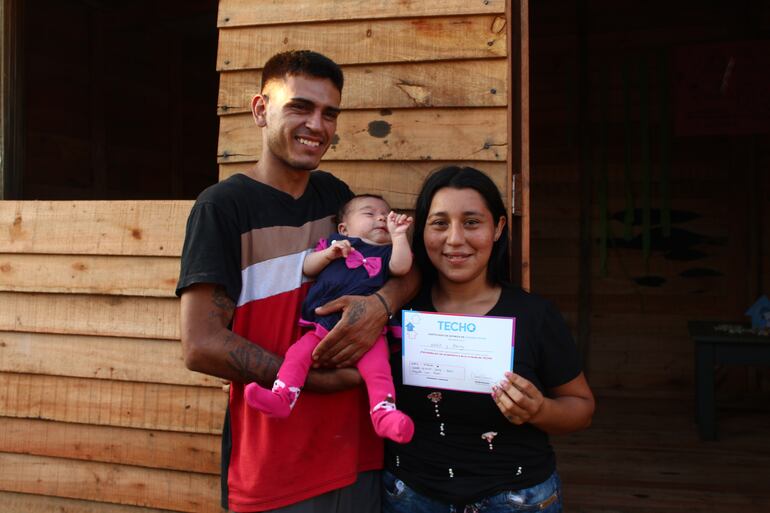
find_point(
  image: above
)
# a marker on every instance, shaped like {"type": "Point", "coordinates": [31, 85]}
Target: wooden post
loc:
{"type": "Point", "coordinates": [11, 100]}
{"type": "Point", "coordinates": [518, 141]}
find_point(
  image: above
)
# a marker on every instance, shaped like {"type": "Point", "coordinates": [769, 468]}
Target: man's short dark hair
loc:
{"type": "Point", "coordinates": [302, 62]}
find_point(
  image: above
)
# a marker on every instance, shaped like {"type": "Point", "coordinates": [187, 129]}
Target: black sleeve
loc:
{"type": "Point", "coordinates": [560, 361]}
{"type": "Point", "coordinates": [211, 251]}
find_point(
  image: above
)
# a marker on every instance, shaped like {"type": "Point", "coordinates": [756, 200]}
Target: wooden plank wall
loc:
{"type": "Point", "coordinates": [97, 411]}
{"type": "Point", "coordinates": [638, 326]}
{"type": "Point", "coordinates": [425, 84]}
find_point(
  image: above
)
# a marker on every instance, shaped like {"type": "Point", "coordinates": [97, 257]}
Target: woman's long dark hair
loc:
{"type": "Point", "coordinates": [457, 177]}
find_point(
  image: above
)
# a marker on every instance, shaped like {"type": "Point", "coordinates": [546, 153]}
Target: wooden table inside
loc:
{"type": "Point", "coordinates": [714, 347]}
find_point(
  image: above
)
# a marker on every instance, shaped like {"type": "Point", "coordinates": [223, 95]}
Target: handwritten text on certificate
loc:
{"type": "Point", "coordinates": [456, 352]}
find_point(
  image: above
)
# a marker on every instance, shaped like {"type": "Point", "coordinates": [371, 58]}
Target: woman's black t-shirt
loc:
{"type": "Point", "coordinates": [464, 449]}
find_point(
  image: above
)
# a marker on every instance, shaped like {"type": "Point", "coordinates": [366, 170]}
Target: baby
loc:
{"type": "Point", "coordinates": [371, 245]}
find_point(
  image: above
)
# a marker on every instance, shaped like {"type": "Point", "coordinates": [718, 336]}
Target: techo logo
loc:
{"type": "Point", "coordinates": [462, 327]}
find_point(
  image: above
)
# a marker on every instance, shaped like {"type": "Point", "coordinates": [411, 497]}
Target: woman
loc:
{"type": "Point", "coordinates": [472, 452]}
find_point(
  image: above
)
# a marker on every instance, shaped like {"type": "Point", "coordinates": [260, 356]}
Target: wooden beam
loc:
{"type": "Point", "coordinates": [110, 358]}
{"type": "Point", "coordinates": [412, 134]}
{"type": "Point", "coordinates": [186, 452]}
{"type": "Point", "coordinates": [233, 13]}
{"type": "Point", "coordinates": [90, 315]}
{"type": "Point", "coordinates": [474, 83]}
{"type": "Point", "coordinates": [85, 274]}
{"type": "Point", "coordinates": [375, 41]}
{"type": "Point", "coordinates": [397, 181]}
{"type": "Point", "coordinates": [112, 403]}
{"type": "Point", "coordinates": [150, 228]}
{"type": "Point", "coordinates": [105, 482]}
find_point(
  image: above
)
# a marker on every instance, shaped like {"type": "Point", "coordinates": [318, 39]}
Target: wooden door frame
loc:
{"type": "Point", "coordinates": [11, 100]}
{"type": "Point", "coordinates": [518, 140]}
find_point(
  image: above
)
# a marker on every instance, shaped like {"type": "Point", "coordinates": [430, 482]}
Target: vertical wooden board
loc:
{"type": "Point", "coordinates": [187, 452]}
{"type": "Point", "coordinates": [471, 83]}
{"type": "Point", "coordinates": [398, 182]}
{"type": "Point", "coordinates": [411, 134]}
{"type": "Point", "coordinates": [93, 227]}
{"type": "Point", "coordinates": [115, 358]}
{"type": "Point", "coordinates": [28, 503]}
{"type": "Point", "coordinates": [90, 315]}
{"type": "Point", "coordinates": [518, 132]}
{"type": "Point", "coordinates": [105, 482]}
{"type": "Point", "coordinates": [86, 274]}
{"type": "Point", "coordinates": [113, 403]}
{"type": "Point", "coordinates": [234, 13]}
{"type": "Point", "coordinates": [367, 42]}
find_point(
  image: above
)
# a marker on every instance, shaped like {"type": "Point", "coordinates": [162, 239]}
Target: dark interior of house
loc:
{"type": "Point", "coordinates": [650, 150]}
{"type": "Point", "coordinates": [119, 99]}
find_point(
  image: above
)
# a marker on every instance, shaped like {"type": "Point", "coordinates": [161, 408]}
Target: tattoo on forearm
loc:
{"type": "Point", "coordinates": [355, 312]}
{"type": "Point", "coordinates": [252, 363]}
{"type": "Point", "coordinates": [224, 305]}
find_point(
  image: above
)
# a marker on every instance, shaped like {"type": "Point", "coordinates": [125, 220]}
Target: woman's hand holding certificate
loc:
{"type": "Point", "coordinates": [518, 399]}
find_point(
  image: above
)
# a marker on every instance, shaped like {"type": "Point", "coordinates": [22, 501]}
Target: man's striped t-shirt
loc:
{"type": "Point", "coordinates": [251, 239]}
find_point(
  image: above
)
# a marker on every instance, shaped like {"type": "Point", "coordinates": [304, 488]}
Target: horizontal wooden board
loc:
{"type": "Point", "coordinates": [187, 452]}
{"type": "Point", "coordinates": [368, 42]}
{"type": "Point", "coordinates": [106, 482]}
{"type": "Point", "coordinates": [93, 227]}
{"type": "Point", "coordinates": [412, 134]}
{"type": "Point", "coordinates": [115, 358]}
{"type": "Point", "coordinates": [636, 496]}
{"type": "Point", "coordinates": [243, 12]}
{"type": "Point", "coordinates": [90, 315]}
{"type": "Point", "coordinates": [678, 464]}
{"type": "Point", "coordinates": [397, 182]}
{"type": "Point", "coordinates": [87, 274]}
{"type": "Point", "coordinates": [472, 83]}
{"type": "Point", "coordinates": [27, 503]}
{"type": "Point", "coordinates": [113, 403]}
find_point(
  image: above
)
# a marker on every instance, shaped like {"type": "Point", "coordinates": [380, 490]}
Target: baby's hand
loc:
{"type": "Point", "coordinates": [338, 249]}
{"type": "Point", "coordinates": [398, 223]}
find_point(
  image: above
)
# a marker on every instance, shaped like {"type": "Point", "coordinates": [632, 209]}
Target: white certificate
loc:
{"type": "Point", "coordinates": [456, 352]}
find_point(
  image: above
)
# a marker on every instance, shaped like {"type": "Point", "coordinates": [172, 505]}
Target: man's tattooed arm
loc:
{"type": "Point", "coordinates": [210, 347]}
{"type": "Point", "coordinates": [251, 362]}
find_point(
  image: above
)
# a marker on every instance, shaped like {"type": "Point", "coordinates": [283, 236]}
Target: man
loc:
{"type": "Point", "coordinates": [241, 286]}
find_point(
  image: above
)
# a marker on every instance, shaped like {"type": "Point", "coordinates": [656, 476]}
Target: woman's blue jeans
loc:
{"type": "Point", "coordinates": [545, 497]}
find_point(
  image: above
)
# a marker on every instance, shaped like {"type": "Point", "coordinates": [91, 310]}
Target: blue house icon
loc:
{"type": "Point", "coordinates": [760, 313]}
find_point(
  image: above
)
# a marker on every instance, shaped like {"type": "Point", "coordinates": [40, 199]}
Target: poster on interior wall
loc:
{"type": "Point", "coordinates": [722, 88]}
